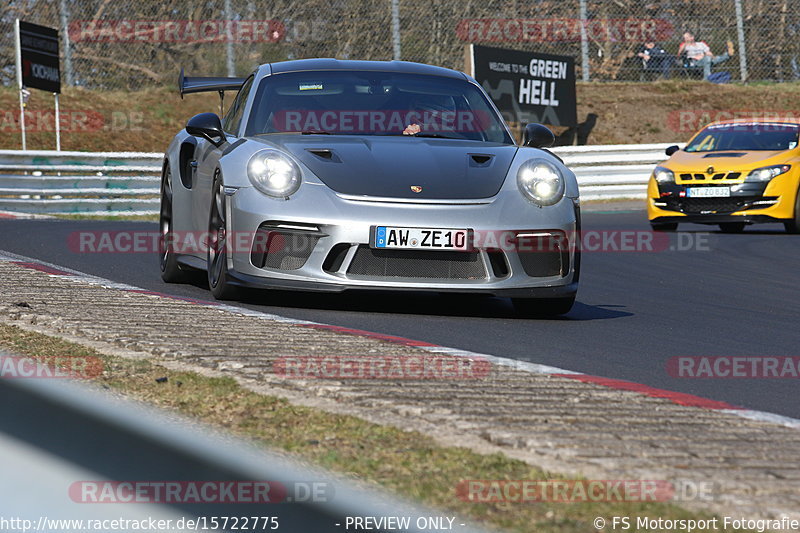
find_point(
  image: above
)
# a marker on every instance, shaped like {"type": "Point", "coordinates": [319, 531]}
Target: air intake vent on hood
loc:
{"type": "Point", "coordinates": [322, 153]}
{"type": "Point", "coordinates": [480, 160]}
{"type": "Point", "coordinates": [726, 154]}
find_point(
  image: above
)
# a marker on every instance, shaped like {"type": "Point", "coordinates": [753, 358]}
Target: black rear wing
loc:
{"type": "Point", "coordinates": [197, 84]}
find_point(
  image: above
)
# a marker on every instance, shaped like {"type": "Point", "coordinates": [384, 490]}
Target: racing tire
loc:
{"type": "Point", "coordinates": [217, 253]}
{"type": "Point", "coordinates": [793, 225]}
{"type": "Point", "coordinates": [171, 271]}
{"type": "Point", "coordinates": [669, 226]}
{"type": "Point", "coordinates": [732, 227]}
{"type": "Point", "coordinates": [543, 307]}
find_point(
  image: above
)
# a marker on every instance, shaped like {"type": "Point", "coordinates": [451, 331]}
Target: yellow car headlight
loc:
{"type": "Point", "coordinates": [767, 173]}
{"type": "Point", "coordinates": [663, 175]}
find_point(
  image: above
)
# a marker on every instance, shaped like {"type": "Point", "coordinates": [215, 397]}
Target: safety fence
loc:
{"type": "Point", "coordinates": [128, 45]}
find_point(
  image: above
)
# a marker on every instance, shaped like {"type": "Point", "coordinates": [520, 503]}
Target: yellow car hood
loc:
{"type": "Point", "coordinates": [723, 162]}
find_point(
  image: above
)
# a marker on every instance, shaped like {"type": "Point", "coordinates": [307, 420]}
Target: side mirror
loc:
{"type": "Point", "coordinates": [538, 136]}
{"type": "Point", "coordinates": [671, 150]}
{"type": "Point", "coordinates": [208, 126]}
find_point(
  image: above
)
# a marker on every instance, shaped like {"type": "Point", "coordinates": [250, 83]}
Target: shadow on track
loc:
{"type": "Point", "coordinates": [408, 303]}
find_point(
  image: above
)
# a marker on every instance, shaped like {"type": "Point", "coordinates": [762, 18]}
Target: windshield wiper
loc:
{"type": "Point", "coordinates": [315, 132]}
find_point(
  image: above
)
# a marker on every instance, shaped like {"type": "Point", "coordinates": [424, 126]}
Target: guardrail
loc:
{"type": "Point", "coordinates": [95, 183]}
{"type": "Point", "coordinates": [607, 172]}
{"type": "Point", "coordinates": [55, 435]}
{"type": "Point", "coordinates": [90, 183]}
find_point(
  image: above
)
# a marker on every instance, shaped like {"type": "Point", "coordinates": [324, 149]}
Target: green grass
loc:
{"type": "Point", "coordinates": [110, 216]}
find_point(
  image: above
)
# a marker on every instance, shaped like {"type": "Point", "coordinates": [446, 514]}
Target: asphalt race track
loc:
{"type": "Point", "coordinates": [701, 293]}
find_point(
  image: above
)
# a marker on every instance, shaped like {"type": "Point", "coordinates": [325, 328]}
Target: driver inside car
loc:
{"type": "Point", "coordinates": [434, 112]}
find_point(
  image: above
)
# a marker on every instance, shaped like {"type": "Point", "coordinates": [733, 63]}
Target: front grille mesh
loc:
{"type": "Point", "coordinates": [711, 177]}
{"type": "Point", "coordinates": [540, 264]}
{"type": "Point", "coordinates": [282, 250]}
{"type": "Point", "coordinates": [422, 264]}
{"type": "Point", "coordinates": [544, 256]}
{"type": "Point", "coordinates": [718, 205]}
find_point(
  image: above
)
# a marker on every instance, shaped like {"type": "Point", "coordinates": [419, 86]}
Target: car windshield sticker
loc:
{"type": "Point", "coordinates": [310, 86]}
{"type": "Point", "coordinates": [792, 145]}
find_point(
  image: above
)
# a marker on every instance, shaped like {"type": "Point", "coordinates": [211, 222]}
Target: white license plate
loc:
{"type": "Point", "coordinates": [421, 238]}
{"type": "Point", "coordinates": [708, 192]}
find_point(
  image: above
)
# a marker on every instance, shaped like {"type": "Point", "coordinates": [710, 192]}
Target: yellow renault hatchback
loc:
{"type": "Point", "coordinates": [732, 173]}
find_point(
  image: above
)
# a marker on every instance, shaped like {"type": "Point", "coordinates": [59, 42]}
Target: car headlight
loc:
{"type": "Point", "coordinates": [767, 173]}
{"type": "Point", "coordinates": [274, 173]}
{"type": "Point", "coordinates": [663, 175]}
{"type": "Point", "coordinates": [541, 182]}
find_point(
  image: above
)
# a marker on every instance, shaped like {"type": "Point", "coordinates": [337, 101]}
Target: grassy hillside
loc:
{"type": "Point", "coordinates": [146, 120]}
{"type": "Point", "coordinates": [102, 121]}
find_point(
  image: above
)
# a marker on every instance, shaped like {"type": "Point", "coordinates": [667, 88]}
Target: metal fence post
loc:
{"type": "Point", "coordinates": [69, 77]}
{"type": "Point", "coordinates": [396, 29]}
{"type": "Point", "coordinates": [229, 41]}
{"type": "Point", "coordinates": [584, 43]}
{"type": "Point", "coordinates": [740, 34]}
{"type": "Point", "coordinates": [18, 61]}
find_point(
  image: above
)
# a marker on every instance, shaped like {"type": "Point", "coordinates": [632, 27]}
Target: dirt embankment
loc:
{"type": "Point", "coordinates": [146, 120]}
{"type": "Point", "coordinates": [672, 110]}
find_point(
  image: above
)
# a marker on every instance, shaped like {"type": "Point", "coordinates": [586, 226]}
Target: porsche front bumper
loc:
{"type": "Point", "coordinates": [320, 241]}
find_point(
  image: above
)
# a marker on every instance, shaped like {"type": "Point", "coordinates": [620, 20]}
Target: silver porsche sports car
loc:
{"type": "Point", "coordinates": [328, 175]}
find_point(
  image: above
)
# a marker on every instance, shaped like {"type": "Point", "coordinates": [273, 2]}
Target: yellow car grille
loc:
{"type": "Point", "coordinates": [710, 177]}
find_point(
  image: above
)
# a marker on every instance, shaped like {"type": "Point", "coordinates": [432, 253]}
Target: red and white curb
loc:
{"type": "Point", "coordinates": [679, 398]}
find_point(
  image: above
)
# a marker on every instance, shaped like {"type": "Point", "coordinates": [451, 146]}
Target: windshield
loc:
{"type": "Point", "coordinates": [740, 136]}
{"type": "Point", "coordinates": [374, 103]}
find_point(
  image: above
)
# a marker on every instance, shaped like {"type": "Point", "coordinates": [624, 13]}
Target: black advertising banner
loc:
{"type": "Point", "coordinates": [527, 86]}
{"type": "Point", "coordinates": [39, 51]}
